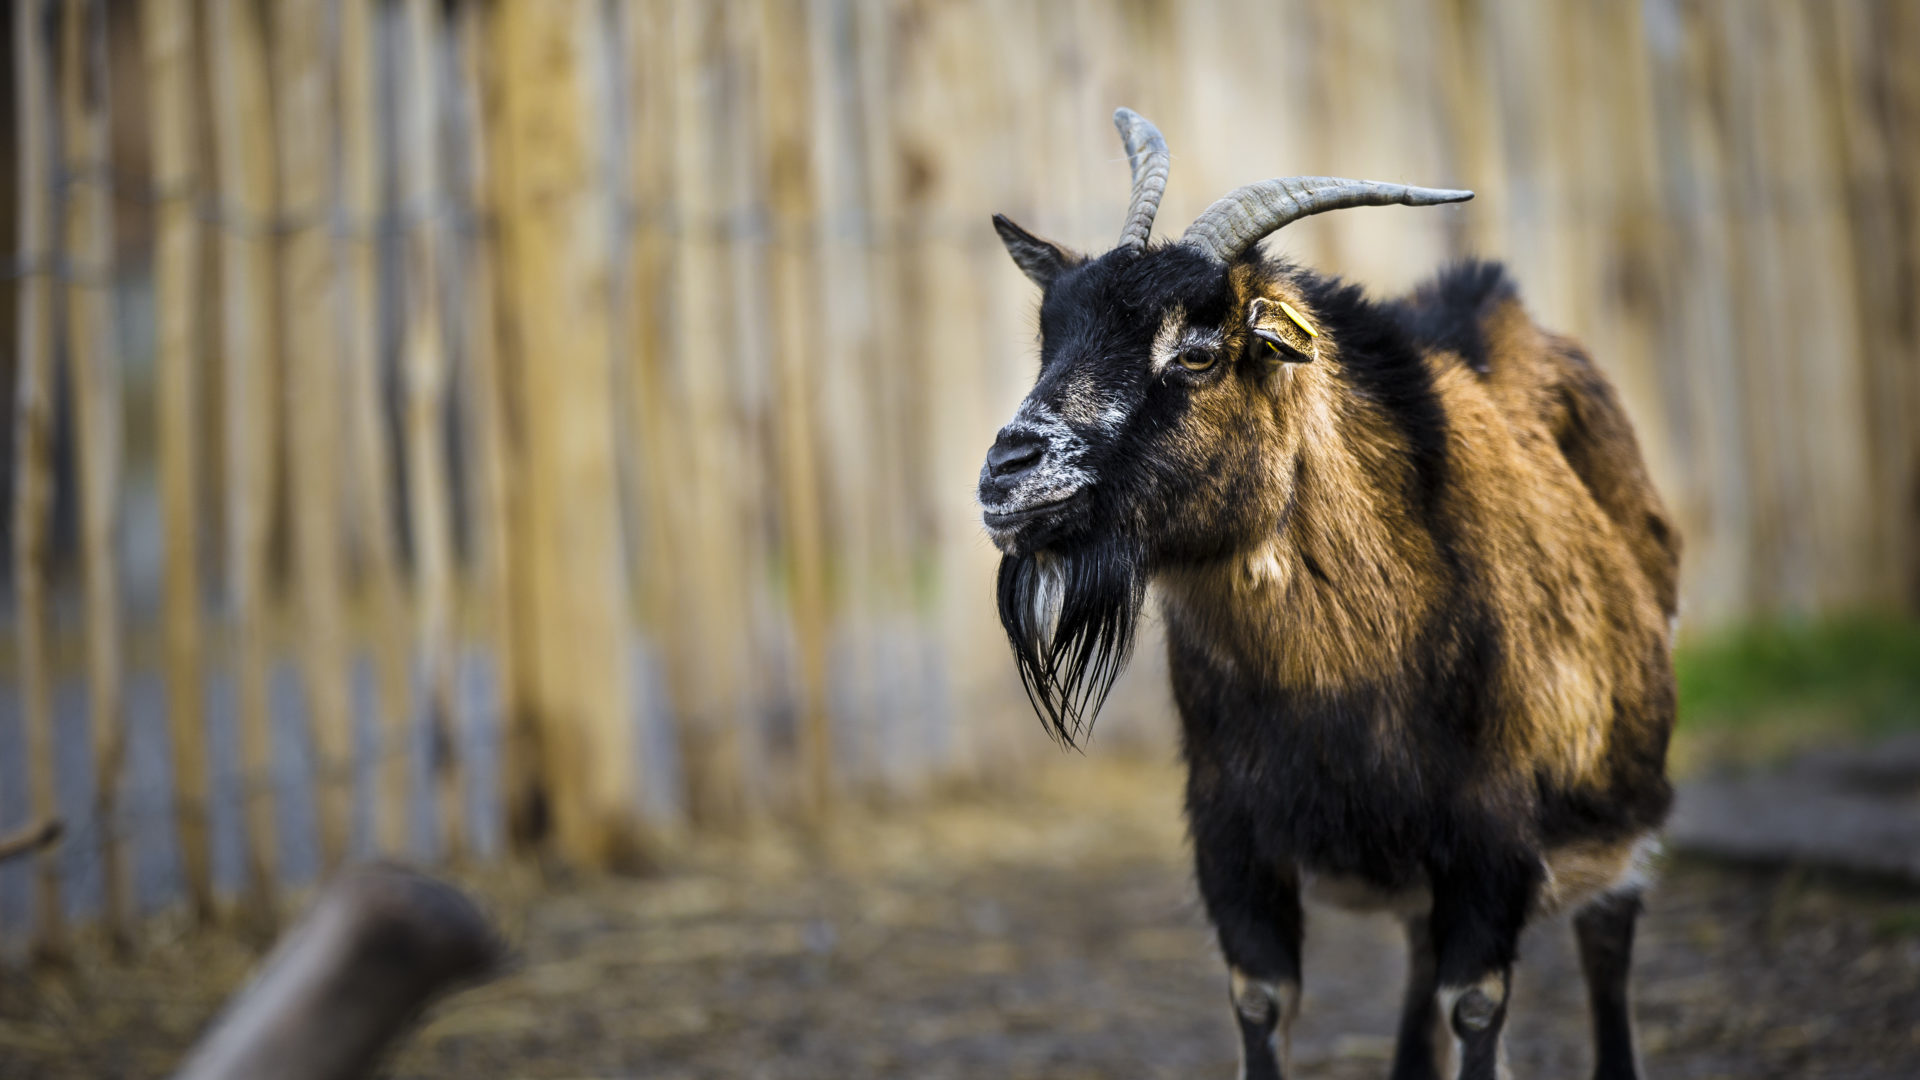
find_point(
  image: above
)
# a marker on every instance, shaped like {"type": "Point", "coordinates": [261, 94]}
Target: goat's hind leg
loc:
{"type": "Point", "coordinates": [1604, 930]}
{"type": "Point", "coordinates": [1424, 1048]}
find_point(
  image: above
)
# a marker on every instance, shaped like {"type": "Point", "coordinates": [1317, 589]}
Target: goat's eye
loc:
{"type": "Point", "coordinates": [1197, 359]}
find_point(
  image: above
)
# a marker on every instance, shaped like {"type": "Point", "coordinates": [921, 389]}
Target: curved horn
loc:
{"type": "Point", "coordinates": [1235, 223]}
{"type": "Point", "coordinates": [1147, 153]}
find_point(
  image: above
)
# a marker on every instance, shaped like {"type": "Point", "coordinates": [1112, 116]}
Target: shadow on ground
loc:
{"type": "Point", "coordinates": [1048, 933]}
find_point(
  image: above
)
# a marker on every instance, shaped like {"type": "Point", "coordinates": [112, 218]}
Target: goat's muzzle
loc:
{"type": "Point", "coordinates": [1030, 483]}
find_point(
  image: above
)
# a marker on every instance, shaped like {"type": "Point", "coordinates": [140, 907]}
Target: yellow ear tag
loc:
{"type": "Point", "coordinates": [1299, 320]}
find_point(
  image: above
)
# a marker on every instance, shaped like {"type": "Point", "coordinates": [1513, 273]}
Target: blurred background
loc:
{"type": "Point", "coordinates": [504, 434]}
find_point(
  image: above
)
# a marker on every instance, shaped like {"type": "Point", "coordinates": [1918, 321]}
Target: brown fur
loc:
{"type": "Point", "coordinates": [1552, 505]}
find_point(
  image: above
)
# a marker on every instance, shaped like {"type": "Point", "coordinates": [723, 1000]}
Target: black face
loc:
{"type": "Point", "coordinates": [1126, 341]}
{"type": "Point", "coordinates": [1141, 432]}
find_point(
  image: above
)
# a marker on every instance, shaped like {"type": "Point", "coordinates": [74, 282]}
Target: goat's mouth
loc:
{"type": "Point", "coordinates": [1028, 526]}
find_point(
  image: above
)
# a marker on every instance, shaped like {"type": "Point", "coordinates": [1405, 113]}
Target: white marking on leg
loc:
{"type": "Point", "coordinates": [1264, 1001]}
{"type": "Point", "coordinates": [1482, 1000]}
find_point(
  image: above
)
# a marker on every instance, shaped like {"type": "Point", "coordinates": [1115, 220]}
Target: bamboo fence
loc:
{"type": "Point", "coordinates": [441, 429]}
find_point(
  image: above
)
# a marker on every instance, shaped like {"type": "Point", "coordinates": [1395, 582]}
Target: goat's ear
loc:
{"type": "Point", "coordinates": [1042, 261]}
{"type": "Point", "coordinates": [1280, 331]}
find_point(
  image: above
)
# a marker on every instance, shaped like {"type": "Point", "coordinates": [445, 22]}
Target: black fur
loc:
{"type": "Point", "coordinates": [1446, 314]}
{"type": "Point", "coordinates": [1068, 668]}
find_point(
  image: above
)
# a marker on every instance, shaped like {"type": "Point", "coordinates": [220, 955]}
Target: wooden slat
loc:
{"type": "Point", "coordinates": [93, 371]}
{"type": "Point", "coordinates": [243, 150]}
{"type": "Point", "coordinates": [849, 445]}
{"type": "Point", "coordinates": [485, 402]}
{"type": "Point", "coordinates": [554, 229]}
{"type": "Point", "coordinates": [33, 450]}
{"type": "Point", "coordinates": [664, 534]}
{"type": "Point", "coordinates": [370, 452]}
{"type": "Point", "coordinates": [425, 367]}
{"type": "Point", "coordinates": [711, 611]}
{"type": "Point", "coordinates": [303, 127]}
{"type": "Point", "coordinates": [787, 165]}
{"type": "Point", "coordinates": [167, 34]}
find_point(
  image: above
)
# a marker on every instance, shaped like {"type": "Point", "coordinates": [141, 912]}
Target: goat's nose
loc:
{"type": "Point", "coordinates": [1014, 452]}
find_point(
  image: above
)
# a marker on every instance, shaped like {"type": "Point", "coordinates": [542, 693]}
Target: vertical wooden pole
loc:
{"type": "Point", "coordinates": [94, 371]}
{"type": "Point", "coordinates": [1902, 358]}
{"type": "Point", "coordinates": [243, 150]}
{"type": "Point", "coordinates": [426, 407]}
{"type": "Point", "coordinates": [713, 600]}
{"type": "Point", "coordinates": [891, 364]}
{"type": "Point", "coordinates": [487, 407]}
{"type": "Point", "coordinates": [647, 338]}
{"type": "Point", "coordinates": [850, 447]}
{"type": "Point", "coordinates": [503, 426]}
{"type": "Point", "coordinates": [786, 81]}
{"type": "Point", "coordinates": [304, 129]}
{"type": "Point", "coordinates": [370, 452]}
{"type": "Point", "coordinates": [1862, 44]}
{"type": "Point", "coordinates": [166, 30]}
{"type": "Point", "coordinates": [33, 449]}
{"type": "Point", "coordinates": [553, 237]}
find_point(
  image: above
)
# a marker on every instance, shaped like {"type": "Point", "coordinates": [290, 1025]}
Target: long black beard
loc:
{"type": "Point", "coordinates": [1070, 619]}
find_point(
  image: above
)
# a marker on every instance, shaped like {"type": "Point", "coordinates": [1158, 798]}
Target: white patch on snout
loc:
{"type": "Point", "coordinates": [1175, 337]}
{"type": "Point", "coordinates": [1060, 472]}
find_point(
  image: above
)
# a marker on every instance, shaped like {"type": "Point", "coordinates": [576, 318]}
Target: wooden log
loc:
{"type": "Point", "coordinates": [167, 34]}
{"type": "Point", "coordinates": [33, 449]}
{"type": "Point", "coordinates": [303, 130]}
{"type": "Point", "coordinates": [38, 836]}
{"type": "Point", "coordinates": [93, 371]}
{"type": "Point", "coordinates": [546, 156]}
{"type": "Point", "coordinates": [426, 396]}
{"type": "Point", "coordinates": [243, 151]}
{"type": "Point", "coordinates": [346, 983]}
{"type": "Point", "coordinates": [370, 453]}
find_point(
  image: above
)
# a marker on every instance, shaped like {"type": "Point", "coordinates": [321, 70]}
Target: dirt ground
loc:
{"type": "Point", "coordinates": [1051, 932]}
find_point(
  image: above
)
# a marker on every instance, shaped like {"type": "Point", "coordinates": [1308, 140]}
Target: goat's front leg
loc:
{"type": "Point", "coordinates": [1480, 904]}
{"type": "Point", "coordinates": [1255, 907]}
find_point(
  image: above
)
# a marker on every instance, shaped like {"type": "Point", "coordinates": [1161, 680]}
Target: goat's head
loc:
{"type": "Point", "coordinates": [1159, 428]}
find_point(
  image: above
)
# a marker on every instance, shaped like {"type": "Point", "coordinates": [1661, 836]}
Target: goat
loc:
{"type": "Point", "coordinates": [1416, 585]}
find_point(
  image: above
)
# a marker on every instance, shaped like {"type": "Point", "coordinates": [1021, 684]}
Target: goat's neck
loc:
{"type": "Point", "coordinates": [1340, 584]}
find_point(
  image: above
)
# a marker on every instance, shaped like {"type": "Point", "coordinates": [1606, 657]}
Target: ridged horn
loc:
{"type": "Point", "coordinates": [1245, 215]}
{"type": "Point", "coordinates": [1147, 153]}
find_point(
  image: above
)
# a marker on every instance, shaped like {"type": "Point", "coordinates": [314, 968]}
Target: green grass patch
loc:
{"type": "Point", "coordinates": [1858, 674]}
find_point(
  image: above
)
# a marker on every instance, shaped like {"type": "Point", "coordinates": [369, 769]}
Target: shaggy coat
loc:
{"type": "Point", "coordinates": [1417, 589]}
